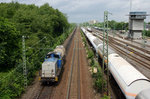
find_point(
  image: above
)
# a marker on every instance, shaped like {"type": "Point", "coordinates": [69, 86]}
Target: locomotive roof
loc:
{"type": "Point", "coordinates": [50, 60]}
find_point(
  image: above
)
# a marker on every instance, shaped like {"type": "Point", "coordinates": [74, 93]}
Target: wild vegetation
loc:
{"type": "Point", "coordinates": [146, 33]}
{"type": "Point", "coordinates": [43, 27]}
{"type": "Point", "coordinates": [94, 64]}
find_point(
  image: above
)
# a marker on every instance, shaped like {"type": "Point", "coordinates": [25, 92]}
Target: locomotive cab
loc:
{"type": "Point", "coordinates": [51, 67]}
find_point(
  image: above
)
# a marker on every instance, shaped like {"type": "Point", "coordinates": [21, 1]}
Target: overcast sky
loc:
{"type": "Point", "coordinates": [84, 10]}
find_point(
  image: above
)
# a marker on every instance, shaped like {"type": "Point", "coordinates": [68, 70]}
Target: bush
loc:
{"type": "Point", "coordinates": [147, 33]}
{"type": "Point", "coordinates": [99, 80]}
{"type": "Point", "coordinates": [91, 62]}
{"type": "Point", "coordinates": [90, 54]}
{"type": "Point", "coordinates": [105, 97]}
{"type": "Point", "coordinates": [98, 84]}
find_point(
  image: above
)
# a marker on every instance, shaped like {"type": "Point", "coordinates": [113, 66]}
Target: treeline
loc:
{"type": "Point", "coordinates": [31, 21]}
{"type": "Point", "coordinates": [111, 24]}
{"type": "Point", "coordinates": [147, 33]}
{"type": "Point", "coordinates": [117, 25]}
{"type": "Point", "coordinates": [43, 27]}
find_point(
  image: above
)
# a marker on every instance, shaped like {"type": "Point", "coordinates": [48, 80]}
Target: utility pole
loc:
{"type": "Point", "coordinates": [105, 51]}
{"type": "Point", "coordinates": [24, 49]}
{"type": "Point", "coordinates": [143, 36]}
{"type": "Point", "coordinates": [114, 30]}
{"type": "Point", "coordinates": [24, 61]}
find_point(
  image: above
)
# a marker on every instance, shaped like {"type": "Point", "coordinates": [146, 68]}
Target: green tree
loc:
{"type": "Point", "coordinates": [9, 44]}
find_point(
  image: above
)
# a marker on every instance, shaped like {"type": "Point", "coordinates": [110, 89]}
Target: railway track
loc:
{"type": "Point", "coordinates": [67, 45]}
{"type": "Point", "coordinates": [73, 90]}
{"type": "Point", "coordinates": [45, 92]}
{"type": "Point", "coordinates": [143, 63]}
{"type": "Point", "coordinates": [141, 49]}
{"type": "Point", "coordinates": [119, 45]}
{"type": "Point", "coordinates": [132, 50]}
{"type": "Point", "coordinates": [75, 77]}
{"type": "Point", "coordinates": [142, 57]}
{"type": "Point", "coordinates": [73, 84]}
{"type": "Point", "coordinates": [78, 71]}
{"type": "Point", "coordinates": [134, 58]}
{"type": "Point", "coordinates": [132, 41]}
{"type": "Point", "coordinates": [148, 46]}
{"type": "Point", "coordinates": [129, 44]}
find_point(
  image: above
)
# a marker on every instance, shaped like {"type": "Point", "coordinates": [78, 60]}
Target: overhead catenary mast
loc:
{"type": "Point", "coordinates": [105, 51]}
{"type": "Point", "coordinates": [24, 62]}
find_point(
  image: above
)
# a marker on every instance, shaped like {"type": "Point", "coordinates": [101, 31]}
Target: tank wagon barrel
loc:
{"type": "Point", "coordinates": [145, 94]}
{"type": "Point", "coordinates": [130, 80]}
{"type": "Point", "coordinates": [60, 49]}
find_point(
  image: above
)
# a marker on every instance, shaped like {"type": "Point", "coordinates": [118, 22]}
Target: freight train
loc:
{"type": "Point", "coordinates": [129, 79]}
{"type": "Point", "coordinates": [89, 29]}
{"type": "Point", "coordinates": [145, 94]}
{"type": "Point", "coordinates": [53, 65]}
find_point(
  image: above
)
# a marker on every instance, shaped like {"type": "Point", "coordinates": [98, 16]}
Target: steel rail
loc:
{"type": "Point", "coordinates": [78, 71]}
{"type": "Point", "coordinates": [131, 57]}
{"type": "Point", "coordinates": [129, 49]}
{"type": "Point", "coordinates": [70, 78]}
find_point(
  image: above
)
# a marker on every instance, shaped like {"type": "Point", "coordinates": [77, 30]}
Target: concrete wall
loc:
{"type": "Point", "coordinates": [137, 35]}
{"type": "Point", "coordinates": [138, 25]}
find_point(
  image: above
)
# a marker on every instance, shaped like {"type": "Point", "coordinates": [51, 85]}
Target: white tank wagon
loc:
{"type": "Point", "coordinates": [83, 29]}
{"type": "Point", "coordinates": [129, 79]}
{"type": "Point", "coordinates": [145, 94]}
{"type": "Point", "coordinates": [53, 65]}
{"type": "Point", "coordinates": [91, 39]}
{"type": "Point", "coordinates": [89, 29]}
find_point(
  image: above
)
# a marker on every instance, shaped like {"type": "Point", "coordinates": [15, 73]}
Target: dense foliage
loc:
{"type": "Point", "coordinates": [29, 20]}
{"type": "Point", "coordinates": [43, 27]}
{"type": "Point", "coordinates": [9, 44]}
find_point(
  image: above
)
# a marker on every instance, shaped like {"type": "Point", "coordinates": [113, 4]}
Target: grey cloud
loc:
{"type": "Point", "coordinates": [85, 10]}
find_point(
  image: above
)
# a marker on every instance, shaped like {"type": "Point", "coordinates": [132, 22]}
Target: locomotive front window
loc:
{"type": "Point", "coordinates": [48, 56]}
{"type": "Point", "coordinates": [56, 56]}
